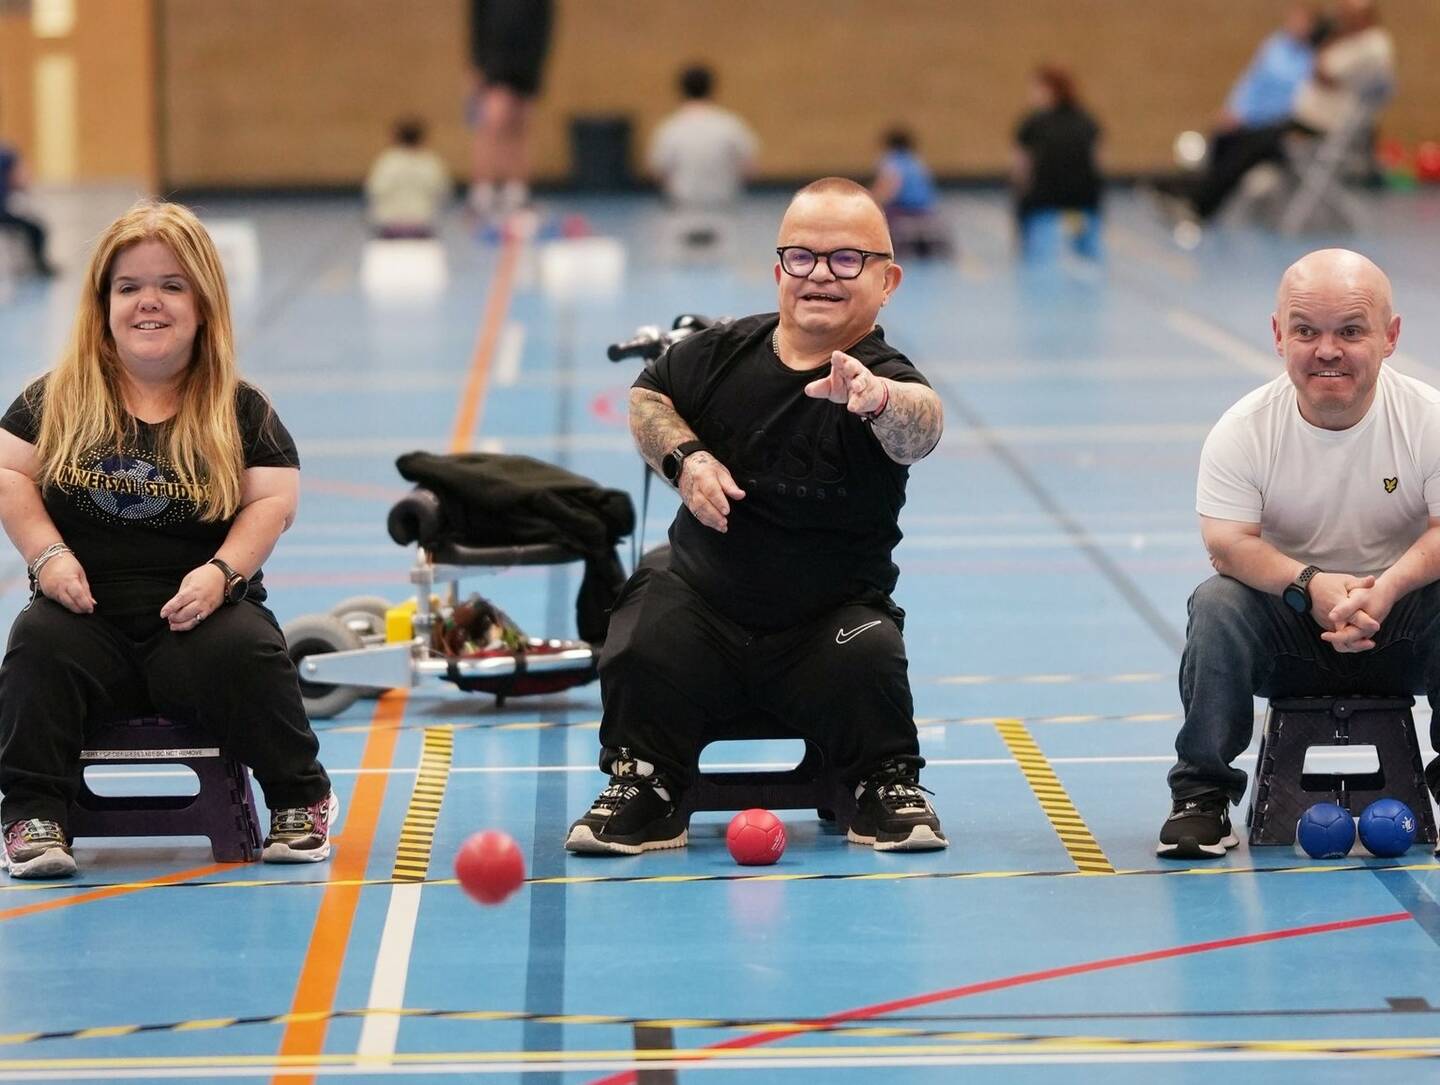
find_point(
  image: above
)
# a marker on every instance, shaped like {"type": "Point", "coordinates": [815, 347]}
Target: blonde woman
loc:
{"type": "Point", "coordinates": [144, 484]}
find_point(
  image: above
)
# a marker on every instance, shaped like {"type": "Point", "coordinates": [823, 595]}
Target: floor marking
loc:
{"type": "Point", "coordinates": [1042, 976]}
{"type": "Point", "coordinates": [380, 1033]}
{"type": "Point", "coordinates": [320, 973]}
{"type": "Point", "coordinates": [1074, 834]}
{"type": "Point", "coordinates": [472, 400]}
{"type": "Point", "coordinates": [1053, 679]}
{"type": "Point", "coordinates": [104, 892]}
{"type": "Point", "coordinates": [1230, 347]}
{"type": "Point", "coordinates": [507, 355]}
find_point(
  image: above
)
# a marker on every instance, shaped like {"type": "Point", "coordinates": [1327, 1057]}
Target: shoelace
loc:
{"type": "Point", "coordinates": [617, 792]}
{"type": "Point", "coordinates": [900, 796]}
{"type": "Point", "coordinates": [1209, 805]}
{"type": "Point", "coordinates": [296, 820]}
{"type": "Point", "coordinates": [37, 831]}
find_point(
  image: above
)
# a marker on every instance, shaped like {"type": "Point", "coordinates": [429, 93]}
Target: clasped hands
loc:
{"type": "Point", "coordinates": [1349, 609]}
{"type": "Point", "coordinates": [203, 589]}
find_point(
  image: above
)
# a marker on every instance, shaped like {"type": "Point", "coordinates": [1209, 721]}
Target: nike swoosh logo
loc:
{"type": "Point", "coordinates": [842, 637]}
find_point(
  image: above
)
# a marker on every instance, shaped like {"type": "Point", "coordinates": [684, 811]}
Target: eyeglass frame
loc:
{"type": "Point", "coordinates": [865, 254]}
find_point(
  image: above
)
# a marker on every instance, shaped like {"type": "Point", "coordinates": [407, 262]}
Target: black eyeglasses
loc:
{"type": "Point", "coordinates": [799, 261]}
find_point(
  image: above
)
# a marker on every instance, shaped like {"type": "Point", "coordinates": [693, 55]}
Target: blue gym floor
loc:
{"type": "Point", "coordinates": [1050, 547]}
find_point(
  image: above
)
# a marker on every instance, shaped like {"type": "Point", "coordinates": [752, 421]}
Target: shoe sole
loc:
{"type": "Point", "coordinates": [585, 842]}
{"type": "Point", "coordinates": [1187, 847]}
{"type": "Point", "coordinates": [52, 863]}
{"type": "Point", "coordinates": [921, 838]}
{"type": "Point", "coordinates": [281, 852]}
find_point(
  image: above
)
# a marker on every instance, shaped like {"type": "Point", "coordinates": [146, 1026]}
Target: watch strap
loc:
{"type": "Point", "coordinates": [689, 448]}
{"type": "Point", "coordinates": [1306, 574]}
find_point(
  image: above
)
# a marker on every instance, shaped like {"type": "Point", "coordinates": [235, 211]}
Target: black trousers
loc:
{"type": "Point", "coordinates": [1234, 155]}
{"type": "Point", "coordinates": [33, 232]}
{"type": "Point", "coordinates": [673, 670]}
{"type": "Point", "coordinates": [231, 675]}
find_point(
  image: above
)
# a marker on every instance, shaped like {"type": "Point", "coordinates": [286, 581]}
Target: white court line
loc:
{"type": "Point", "coordinates": [1228, 346]}
{"type": "Point", "coordinates": [381, 1032]}
{"type": "Point", "coordinates": [507, 354]}
{"type": "Point", "coordinates": [1049, 540]}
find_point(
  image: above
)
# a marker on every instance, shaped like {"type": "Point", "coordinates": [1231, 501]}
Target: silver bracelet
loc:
{"type": "Point", "coordinates": [52, 551]}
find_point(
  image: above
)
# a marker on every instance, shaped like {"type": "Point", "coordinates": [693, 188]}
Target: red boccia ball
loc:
{"type": "Point", "coordinates": [490, 866]}
{"type": "Point", "coordinates": [755, 837]}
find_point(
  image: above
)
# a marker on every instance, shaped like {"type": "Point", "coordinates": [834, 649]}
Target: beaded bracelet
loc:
{"type": "Point", "coordinates": [51, 551]}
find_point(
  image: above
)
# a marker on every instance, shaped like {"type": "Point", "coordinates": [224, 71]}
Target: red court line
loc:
{"type": "Point", "coordinates": [1022, 979]}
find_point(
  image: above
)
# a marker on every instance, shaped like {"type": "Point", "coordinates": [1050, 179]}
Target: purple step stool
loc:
{"type": "Point", "coordinates": [223, 809]}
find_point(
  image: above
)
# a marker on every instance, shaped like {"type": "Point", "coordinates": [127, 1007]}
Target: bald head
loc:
{"type": "Point", "coordinates": [839, 198]}
{"type": "Point", "coordinates": [1336, 269]}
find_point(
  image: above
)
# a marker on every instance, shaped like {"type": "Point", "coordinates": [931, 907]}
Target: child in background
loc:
{"type": "Point", "coordinates": [905, 189]}
{"type": "Point", "coordinates": [407, 185]}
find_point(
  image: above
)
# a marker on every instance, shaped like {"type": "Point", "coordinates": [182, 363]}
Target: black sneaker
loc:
{"type": "Point", "coordinates": [1197, 828]}
{"type": "Point", "coordinates": [892, 813]}
{"type": "Point", "coordinates": [636, 812]}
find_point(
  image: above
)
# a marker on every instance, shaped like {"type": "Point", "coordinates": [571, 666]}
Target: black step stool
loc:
{"type": "Point", "coordinates": [809, 785]}
{"type": "Point", "coordinates": [1284, 790]}
{"type": "Point", "coordinates": [223, 809]}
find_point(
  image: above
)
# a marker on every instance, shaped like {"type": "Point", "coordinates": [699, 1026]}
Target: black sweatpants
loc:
{"type": "Point", "coordinates": [673, 668]}
{"type": "Point", "coordinates": [33, 233]}
{"type": "Point", "coordinates": [231, 675]}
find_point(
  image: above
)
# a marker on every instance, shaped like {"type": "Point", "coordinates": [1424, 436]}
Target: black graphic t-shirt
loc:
{"type": "Point", "coordinates": [132, 525]}
{"type": "Point", "coordinates": [820, 516]}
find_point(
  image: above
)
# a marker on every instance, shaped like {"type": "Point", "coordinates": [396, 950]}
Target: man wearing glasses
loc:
{"type": "Point", "coordinates": [790, 441]}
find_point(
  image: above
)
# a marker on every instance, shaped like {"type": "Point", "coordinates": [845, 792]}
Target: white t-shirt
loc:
{"type": "Point", "coordinates": [1362, 66]}
{"type": "Point", "coordinates": [701, 153]}
{"type": "Point", "coordinates": [406, 187]}
{"type": "Point", "coordinates": [1348, 501]}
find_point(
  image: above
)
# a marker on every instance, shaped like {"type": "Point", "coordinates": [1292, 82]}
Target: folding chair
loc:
{"type": "Point", "coordinates": [1321, 166]}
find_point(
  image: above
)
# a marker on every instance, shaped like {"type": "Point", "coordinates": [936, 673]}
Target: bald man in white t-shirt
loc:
{"type": "Point", "coordinates": [1319, 502]}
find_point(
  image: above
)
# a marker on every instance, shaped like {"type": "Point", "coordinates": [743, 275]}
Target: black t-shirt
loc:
{"type": "Point", "coordinates": [1061, 145]}
{"type": "Point", "coordinates": [819, 518]}
{"type": "Point", "coordinates": [133, 528]}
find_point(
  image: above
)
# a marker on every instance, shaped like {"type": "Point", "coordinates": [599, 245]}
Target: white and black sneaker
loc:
{"type": "Point", "coordinates": [37, 848]}
{"type": "Point", "coordinates": [1198, 828]}
{"type": "Point", "coordinates": [892, 813]}
{"type": "Point", "coordinates": [635, 812]}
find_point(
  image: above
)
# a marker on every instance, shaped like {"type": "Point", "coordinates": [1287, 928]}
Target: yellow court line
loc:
{"type": "Point", "coordinates": [1079, 843]}
{"type": "Point", "coordinates": [417, 832]}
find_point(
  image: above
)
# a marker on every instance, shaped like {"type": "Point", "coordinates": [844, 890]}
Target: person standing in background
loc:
{"type": "Point", "coordinates": [509, 40]}
{"type": "Point", "coordinates": [1055, 169]}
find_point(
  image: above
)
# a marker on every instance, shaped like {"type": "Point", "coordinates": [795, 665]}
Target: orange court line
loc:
{"type": "Point", "coordinates": [320, 974]}
{"type": "Point", "coordinates": [114, 891]}
{"type": "Point", "coordinates": [473, 398]}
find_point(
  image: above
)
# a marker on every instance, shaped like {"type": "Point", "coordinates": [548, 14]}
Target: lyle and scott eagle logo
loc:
{"type": "Point", "coordinates": [1390, 484]}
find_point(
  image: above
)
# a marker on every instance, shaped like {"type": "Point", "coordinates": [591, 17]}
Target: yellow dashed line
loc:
{"type": "Point", "coordinates": [417, 832]}
{"type": "Point", "coordinates": [1064, 818]}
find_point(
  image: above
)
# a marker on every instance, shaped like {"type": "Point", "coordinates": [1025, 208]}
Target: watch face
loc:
{"type": "Point", "coordinates": [1296, 599]}
{"type": "Point", "coordinates": [236, 589]}
{"type": "Point", "coordinates": [671, 464]}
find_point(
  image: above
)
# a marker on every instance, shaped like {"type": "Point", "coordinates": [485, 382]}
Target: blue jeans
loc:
{"type": "Point", "coordinates": [1242, 643]}
{"type": "Point", "coordinates": [1043, 232]}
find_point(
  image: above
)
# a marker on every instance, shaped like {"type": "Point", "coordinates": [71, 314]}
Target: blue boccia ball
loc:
{"type": "Point", "coordinates": [1326, 831]}
{"type": "Point", "coordinates": [1387, 828]}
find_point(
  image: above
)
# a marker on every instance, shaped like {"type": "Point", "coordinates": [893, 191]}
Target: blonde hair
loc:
{"type": "Point", "coordinates": [84, 398]}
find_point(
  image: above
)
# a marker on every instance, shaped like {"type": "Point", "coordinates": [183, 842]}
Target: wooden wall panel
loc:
{"type": "Point", "coordinates": [277, 92]}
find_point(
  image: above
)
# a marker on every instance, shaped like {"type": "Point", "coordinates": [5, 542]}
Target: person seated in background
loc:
{"type": "Point", "coordinates": [701, 156]}
{"type": "Point", "coordinates": [1319, 503]}
{"type": "Point", "coordinates": [13, 179]}
{"type": "Point", "coordinates": [904, 187]}
{"type": "Point", "coordinates": [407, 185]}
{"type": "Point", "coordinates": [1354, 69]}
{"type": "Point", "coordinates": [143, 484]}
{"type": "Point", "coordinates": [1055, 171]}
{"type": "Point", "coordinates": [790, 438]}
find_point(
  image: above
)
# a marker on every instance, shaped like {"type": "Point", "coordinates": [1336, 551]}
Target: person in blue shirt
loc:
{"type": "Point", "coordinates": [905, 188]}
{"type": "Point", "coordinates": [1263, 94]}
{"type": "Point", "coordinates": [12, 179]}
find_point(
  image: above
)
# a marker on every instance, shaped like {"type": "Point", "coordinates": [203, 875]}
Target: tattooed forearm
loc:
{"type": "Point", "coordinates": [656, 425]}
{"type": "Point", "coordinates": [910, 427]}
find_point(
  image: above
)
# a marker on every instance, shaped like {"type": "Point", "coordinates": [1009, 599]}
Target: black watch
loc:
{"type": "Point", "coordinates": [236, 586]}
{"type": "Point", "coordinates": [1297, 595]}
{"type": "Point", "coordinates": [674, 461]}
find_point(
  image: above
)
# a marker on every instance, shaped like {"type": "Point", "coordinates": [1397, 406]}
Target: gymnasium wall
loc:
{"type": "Point", "coordinates": [281, 93]}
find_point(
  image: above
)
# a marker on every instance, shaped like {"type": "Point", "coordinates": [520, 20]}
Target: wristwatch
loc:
{"type": "Point", "coordinates": [1297, 595]}
{"type": "Point", "coordinates": [674, 461]}
{"type": "Point", "coordinates": [235, 584]}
